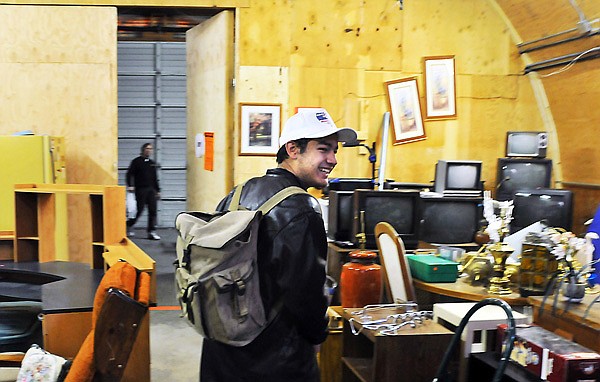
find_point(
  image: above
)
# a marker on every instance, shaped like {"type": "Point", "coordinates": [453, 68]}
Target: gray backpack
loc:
{"type": "Point", "coordinates": [216, 271]}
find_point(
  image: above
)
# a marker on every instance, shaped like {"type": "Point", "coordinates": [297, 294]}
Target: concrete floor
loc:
{"type": "Point", "coordinates": [174, 345]}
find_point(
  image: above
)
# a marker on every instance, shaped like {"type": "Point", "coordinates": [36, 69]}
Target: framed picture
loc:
{"type": "Point", "coordinates": [405, 109]}
{"type": "Point", "coordinates": [260, 124]}
{"type": "Point", "coordinates": [440, 92]}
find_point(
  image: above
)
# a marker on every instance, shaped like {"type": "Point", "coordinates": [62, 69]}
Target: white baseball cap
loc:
{"type": "Point", "coordinates": [314, 123]}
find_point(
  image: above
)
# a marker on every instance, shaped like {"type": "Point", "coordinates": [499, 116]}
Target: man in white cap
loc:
{"type": "Point", "coordinates": [292, 248]}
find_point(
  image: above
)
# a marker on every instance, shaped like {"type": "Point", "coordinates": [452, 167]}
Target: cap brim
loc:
{"type": "Point", "coordinates": [344, 134]}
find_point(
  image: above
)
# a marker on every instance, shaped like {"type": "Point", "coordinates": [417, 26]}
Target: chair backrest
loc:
{"type": "Point", "coordinates": [396, 272]}
{"type": "Point", "coordinates": [115, 333]}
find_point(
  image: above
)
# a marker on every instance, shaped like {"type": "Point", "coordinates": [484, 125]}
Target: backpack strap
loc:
{"type": "Point", "coordinates": [279, 197]}
{"type": "Point", "coordinates": [234, 205]}
{"type": "Point", "coordinates": [267, 206]}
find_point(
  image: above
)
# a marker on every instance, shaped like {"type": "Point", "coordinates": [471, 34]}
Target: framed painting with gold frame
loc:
{"type": "Point", "coordinates": [405, 108]}
{"type": "Point", "coordinates": [440, 90]}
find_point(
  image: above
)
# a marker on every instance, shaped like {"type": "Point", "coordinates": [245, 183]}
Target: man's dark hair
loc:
{"type": "Point", "coordinates": [144, 146]}
{"type": "Point", "coordinates": [282, 153]}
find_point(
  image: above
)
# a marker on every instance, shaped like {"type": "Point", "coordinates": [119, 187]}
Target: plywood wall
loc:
{"type": "Point", "coordinates": [210, 71]}
{"type": "Point", "coordinates": [59, 71]}
{"type": "Point", "coordinates": [339, 54]}
{"type": "Point", "coordinates": [58, 67]}
{"type": "Point", "coordinates": [61, 76]}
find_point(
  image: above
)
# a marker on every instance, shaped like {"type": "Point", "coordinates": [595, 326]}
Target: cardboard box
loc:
{"type": "Point", "coordinates": [551, 357]}
{"type": "Point", "coordinates": [433, 269]}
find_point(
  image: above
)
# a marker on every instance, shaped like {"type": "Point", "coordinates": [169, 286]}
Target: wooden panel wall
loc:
{"type": "Point", "coordinates": [210, 70]}
{"type": "Point", "coordinates": [59, 67]}
{"type": "Point", "coordinates": [59, 71]}
{"type": "Point", "coordinates": [340, 54]}
{"type": "Point", "coordinates": [334, 54]}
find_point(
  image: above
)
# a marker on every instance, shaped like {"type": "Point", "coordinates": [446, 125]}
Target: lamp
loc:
{"type": "Point", "coordinates": [372, 154]}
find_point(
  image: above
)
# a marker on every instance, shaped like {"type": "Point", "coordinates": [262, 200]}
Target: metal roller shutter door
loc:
{"type": "Point", "coordinates": [152, 108]}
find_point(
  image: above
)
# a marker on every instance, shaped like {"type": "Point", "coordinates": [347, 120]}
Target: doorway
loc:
{"type": "Point", "coordinates": [152, 105]}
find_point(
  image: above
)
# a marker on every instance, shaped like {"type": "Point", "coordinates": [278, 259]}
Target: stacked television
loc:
{"type": "Point", "coordinates": [524, 176]}
{"type": "Point", "coordinates": [453, 213]}
{"type": "Point", "coordinates": [451, 219]}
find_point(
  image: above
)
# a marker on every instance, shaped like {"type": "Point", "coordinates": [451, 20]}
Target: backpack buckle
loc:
{"type": "Point", "coordinates": [240, 287]}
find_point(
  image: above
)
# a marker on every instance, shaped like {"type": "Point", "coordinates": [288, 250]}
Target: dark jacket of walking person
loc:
{"type": "Point", "coordinates": [292, 248]}
{"type": "Point", "coordinates": [141, 178]}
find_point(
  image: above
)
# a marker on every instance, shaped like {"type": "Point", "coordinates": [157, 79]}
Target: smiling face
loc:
{"type": "Point", "coordinates": [314, 165]}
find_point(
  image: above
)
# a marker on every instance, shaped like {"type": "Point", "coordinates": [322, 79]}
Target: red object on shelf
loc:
{"type": "Point", "coordinates": [360, 281]}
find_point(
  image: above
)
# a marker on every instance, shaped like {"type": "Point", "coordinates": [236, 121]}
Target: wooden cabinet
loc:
{"type": "Point", "coordinates": [35, 224]}
{"type": "Point", "coordinates": [412, 355]}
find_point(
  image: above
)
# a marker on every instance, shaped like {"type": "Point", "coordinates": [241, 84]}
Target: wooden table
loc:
{"type": "Point", "coordinates": [570, 320]}
{"type": "Point", "coordinates": [460, 290]}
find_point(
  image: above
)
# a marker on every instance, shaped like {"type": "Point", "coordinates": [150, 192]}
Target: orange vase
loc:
{"type": "Point", "coordinates": [360, 282]}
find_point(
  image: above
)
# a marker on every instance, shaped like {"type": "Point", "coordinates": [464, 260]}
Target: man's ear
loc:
{"type": "Point", "coordinates": [292, 149]}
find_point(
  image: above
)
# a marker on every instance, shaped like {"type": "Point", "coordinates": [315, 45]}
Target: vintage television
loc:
{"type": "Point", "coordinates": [450, 220]}
{"type": "Point", "coordinates": [530, 144]}
{"type": "Point", "coordinates": [520, 174]}
{"type": "Point", "coordinates": [340, 216]}
{"type": "Point", "coordinates": [553, 206]}
{"type": "Point", "coordinates": [350, 184]}
{"type": "Point", "coordinates": [400, 208]}
{"type": "Point", "coordinates": [458, 177]}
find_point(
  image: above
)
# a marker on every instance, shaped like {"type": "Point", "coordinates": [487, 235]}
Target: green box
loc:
{"type": "Point", "coordinates": [433, 269]}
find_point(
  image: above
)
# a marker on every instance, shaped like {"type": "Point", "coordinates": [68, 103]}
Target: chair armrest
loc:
{"type": "Point", "coordinates": [11, 359]}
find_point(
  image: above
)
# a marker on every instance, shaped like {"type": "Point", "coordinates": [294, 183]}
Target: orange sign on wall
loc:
{"type": "Point", "coordinates": [209, 153]}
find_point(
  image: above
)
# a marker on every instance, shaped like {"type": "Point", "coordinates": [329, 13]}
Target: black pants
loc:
{"type": "Point", "coordinates": [145, 196]}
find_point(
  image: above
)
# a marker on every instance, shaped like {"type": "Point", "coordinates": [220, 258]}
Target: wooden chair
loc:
{"type": "Point", "coordinates": [397, 278]}
{"type": "Point", "coordinates": [120, 304]}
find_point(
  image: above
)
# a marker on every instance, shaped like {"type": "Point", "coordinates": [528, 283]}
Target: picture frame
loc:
{"type": "Point", "coordinates": [260, 126]}
{"type": "Point", "coordinates": [405, 108]}
{"type": "Point", "coordinates": [440, 87]}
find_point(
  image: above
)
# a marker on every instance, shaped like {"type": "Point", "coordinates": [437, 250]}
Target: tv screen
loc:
{"type": "Point", "coordinates": [521, 174]}
{"type": "Point", "coordinates": [526, 144]}
{"type": "Point", "coordinates": [450, 220]}
{"type": "Point", "coordinates": [397, 207]}
{"type": "Point", "coordinates": [339, 226]}
{"type": "Point", "coordinates": [457, 176]}
{"type": "Point", "coordinates": [553, 206]}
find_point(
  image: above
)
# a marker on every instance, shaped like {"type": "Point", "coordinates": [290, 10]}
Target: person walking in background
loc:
{"type": "Point", "coordinates": [141, 178]}
{"type": "Point", "coordinates": [292, 247]}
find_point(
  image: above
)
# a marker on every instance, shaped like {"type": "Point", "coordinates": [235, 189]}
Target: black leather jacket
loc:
{"type": "Point", "coordinates": [292, 249]}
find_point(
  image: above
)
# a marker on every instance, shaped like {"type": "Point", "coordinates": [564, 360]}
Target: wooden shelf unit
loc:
{"type": "Point", "coordinates": [35, 223]}
{"type": "Point", "coordinates": [7, 239]}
